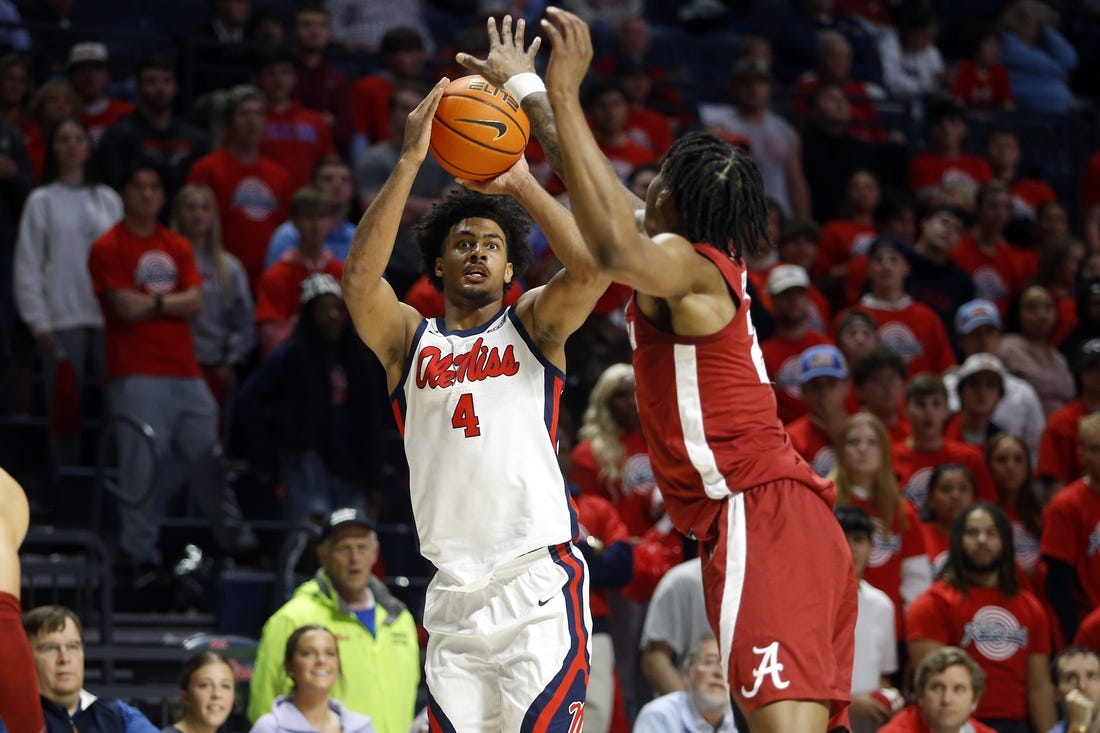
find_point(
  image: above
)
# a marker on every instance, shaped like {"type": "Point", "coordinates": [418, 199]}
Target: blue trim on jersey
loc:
{"type": "Point", "coordinates": [398, 394]}
{"type": "Point", "coordinates": [531, 345]}
{"type": "Point", "coordinates": [441, 324]}
{"type": "Point", "coordinates": [437, 719]}
{"type": "Point", "coordinates": [574, 680]}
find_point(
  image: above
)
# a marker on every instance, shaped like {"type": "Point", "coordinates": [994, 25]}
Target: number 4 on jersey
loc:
{"type": "Point", "coordinates": [464, 417]}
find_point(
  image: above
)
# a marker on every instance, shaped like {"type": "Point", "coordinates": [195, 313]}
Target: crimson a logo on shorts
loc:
{"type": "Point", "coordinates": [995, 632]}
{"type": "Point", "coordinates": [254, 198]}
{"type": "Point", "coordinates": [156, 273]}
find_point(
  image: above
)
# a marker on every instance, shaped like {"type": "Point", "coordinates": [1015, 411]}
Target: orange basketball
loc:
{"type": "Point", "coordinates": [479, 131]}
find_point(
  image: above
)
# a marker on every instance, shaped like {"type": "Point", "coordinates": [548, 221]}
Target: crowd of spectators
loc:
{"type": "Point", "coordinates": [172, 233]}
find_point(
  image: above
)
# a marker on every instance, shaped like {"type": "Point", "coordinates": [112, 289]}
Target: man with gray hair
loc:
{"type": "Point", "coordinates": [704, 704]}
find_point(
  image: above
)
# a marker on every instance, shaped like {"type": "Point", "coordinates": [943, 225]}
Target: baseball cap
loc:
{"type": "Point", "coordinates": [785, 277]}
{"type": "Point", "coordinates": [975, 313]}
{"type": "Point", "coordinates": [1088, 354]}
{"type": "Point", "coordinates": [980, 363]}
{"type": "Point", "coordinates": [823, 360]}
{"type": "Point", "coordinates": [853, 519]}
{"type": "Point", "coordinates": [887, 240]}
{"type": "Point", "coordinates": [344, 517]}
{"type": "Point", "coordinates": [87, 52]}
{"type": "Point", "coordinates": [319, 283]}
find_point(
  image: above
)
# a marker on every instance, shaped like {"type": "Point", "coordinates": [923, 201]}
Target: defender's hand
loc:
{"type": "Point", "coordinates": [507, 56]}
{"type": "Point", "coordinates": [571, 54]}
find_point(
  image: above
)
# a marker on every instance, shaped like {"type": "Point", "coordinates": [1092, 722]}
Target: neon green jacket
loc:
{"type": "Point", "coordinates": [379, 675]}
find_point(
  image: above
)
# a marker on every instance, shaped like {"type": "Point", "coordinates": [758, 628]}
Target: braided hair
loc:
{"type": "Point", "coordinates": [719, 194]}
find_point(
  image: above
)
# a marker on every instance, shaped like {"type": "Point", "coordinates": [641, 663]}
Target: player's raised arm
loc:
{"type": "Point", "coordinates": [384, 323]}
{"type": "Point", "coordinates": [510, 66]}
{"type": "Point", "coordinates": [664, 266]}
{"type": "Point", "coordinates": [552, 312]}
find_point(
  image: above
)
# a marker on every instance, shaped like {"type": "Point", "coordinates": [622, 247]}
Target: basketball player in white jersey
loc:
{"type": "Point", "coordinates": [476, 396]}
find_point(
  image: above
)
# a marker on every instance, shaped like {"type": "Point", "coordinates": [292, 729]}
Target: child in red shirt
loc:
{"type": "Point", "coordinates": [981, 81]}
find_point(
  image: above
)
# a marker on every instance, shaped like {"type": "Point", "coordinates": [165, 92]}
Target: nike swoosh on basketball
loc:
{"type": "Point", "coordinates": [500, 127]}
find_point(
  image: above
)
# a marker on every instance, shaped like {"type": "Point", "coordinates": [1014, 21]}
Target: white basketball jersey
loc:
{"type": "Point", "coordinates": [478, 410]}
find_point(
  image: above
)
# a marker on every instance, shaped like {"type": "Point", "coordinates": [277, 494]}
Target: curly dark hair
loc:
{"type": "Point", "coordinates": [461, 204]}
{"type": "Point", "coordinates": [955, 571]}
{"type": "Point", "coordinates": [718, 193]}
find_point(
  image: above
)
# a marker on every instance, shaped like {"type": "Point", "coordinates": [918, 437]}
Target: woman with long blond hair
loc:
{"type": "Point", "coordinates": [224, 331]}
{"type": "Point", "coordinates": [864, 477]}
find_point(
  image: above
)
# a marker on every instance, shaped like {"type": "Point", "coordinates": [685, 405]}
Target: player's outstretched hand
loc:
{"type": "Point", "coordinates": [418, 126]}
{"type": "Point", "coordinates": [507, 56]}
{"type": "Point", "coordinates": [507, 182]}
{"type": "Point", "coordinates": [571, 52]}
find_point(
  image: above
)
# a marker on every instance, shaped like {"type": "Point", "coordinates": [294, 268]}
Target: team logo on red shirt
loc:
{"type": "Point", "coordinates": [433, 369]}
{"type": "Point", "coordinates": [995, 632]}
{"type": "Point", "coordinates": [156, 273]}
{"type": "Point", "coordinates": [254, 199]}
{"type": "Point", "coordinates": [885, 545]}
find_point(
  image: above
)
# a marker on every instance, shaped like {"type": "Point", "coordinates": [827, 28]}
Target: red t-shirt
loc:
{"type": "Point", "coordinates": [841, 240]}
{"type": "Point", "coordinates": [782, 358]}
{"type": "Point", "coordinates": [710, 400]}
{"type": "Point", "coordinates": [20, 708]}
{"type": "Point", "coordinates": [1028, 194]}
{"type": "Point", "coordinates": [813, 444]}
{"type": "Point", "coordinates": [370, 103]}
{"type": "Point", "coordinates": [982, 88]}
{"type": "Point", "coordinates": [423, 296]}
{"type": "Point", "coordinates": [998, 633]}
{"type": "Point", "coordinates": [279, 294]}
{"type": "Point", "coordinates": [98, 122]}
{"type": "Point", "coordinates": [1071, 533]}
{"type": "Point", "coordinates": [914, 469]}
{"type": "Point", "coordinates": [912, 330]}
{"type": "Point", "coordinates": [998, 276]}
{"type": "Point", "coordinates": [632, 494]}
{"type": "Point", "coordinates": [159, 264]}
{"type": "Point", "coordinates": [650, 129]}
{"type": "Point", "coordinates": [252, 203]}
{"type": "Point", "coordinates": [296, 137]}
{"type": "Point", "coordinates": [598, 518]}
{"type": "Point", "coordinates": [909, 720]}
{"type": "Point", "coordinates": [1058, 458]}
{"type": "Point", "coordinates": [1088, 633]}
{"type": "Point", "coordinates": [1089, 190]}
{"type": "Point", "coordinates": [889, 550]}
{"type": "Point", "coordinates": [929, 171]}
{"type": "Point", "coordinates": [865, 123]}
{"type": "Point", "coordinates": [936, 544]}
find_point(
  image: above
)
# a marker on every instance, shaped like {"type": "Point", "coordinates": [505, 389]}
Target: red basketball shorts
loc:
{"type": "Point", "coordinates": [781, 596]}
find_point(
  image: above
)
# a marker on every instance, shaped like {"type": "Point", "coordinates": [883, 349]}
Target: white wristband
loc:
{"type": "Point", "coordinates": [524, 84]}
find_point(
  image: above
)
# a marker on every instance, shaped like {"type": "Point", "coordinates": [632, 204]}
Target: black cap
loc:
{"type": "Point", "coordinates": [887, 240]}
{"type": "Point", "coordinates": [853, 519]}
{"type": "Point", "coordinates": [344, 517]}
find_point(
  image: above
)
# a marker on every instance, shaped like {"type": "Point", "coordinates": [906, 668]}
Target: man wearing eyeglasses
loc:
{"type": "Point", "coordinates": [57, 642]}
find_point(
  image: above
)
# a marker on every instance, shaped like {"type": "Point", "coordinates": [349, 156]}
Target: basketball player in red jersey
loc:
{"type": "Point", "coordinates": [778, 577]}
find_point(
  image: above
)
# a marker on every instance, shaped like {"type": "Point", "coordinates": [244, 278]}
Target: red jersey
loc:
{"type": "Point", "coordinates": [252, 202]}
{"type": "Point", "coordinates": [104, 115]}
{"type": "Point", "coordinates": [912, 330]}
{"type": "Point", "coordinates": [782, 358]}
{"type": "Point", "coordinates": [998, 633]}
{"type": "Point", "coordinates": [708, 402]}
{"type": "Point", "coordinates": [159, 264]}
{"type": "Point", "coordinates": [997, 276]}
{"type": "Point", "coordinates": [632, 495]}
{"type": "Point", "coordinates": [279, 294]}
{"type": "Point", "coordinates": [813, 444]}
{"type": "Point", "coordinates": [1071, 533]}
{"type": "Point", "coordinates": [910, 720]}
{"type": "Point", "coordinates": [841, 240]}
{"type": "Point", "coordinates": [914, 469]}
{"type": "Point", "coordinates": [296, 137]}
{"type": "Point", "coordinates": [929, 171]}
{"type": "Point", "coordinates": [891, 547]}
{"type": "Point", "coordinates": [1089, 188]}
{"type": "Point", "coordinates": [1058, 458]}
{"type": "Point", "coordinates": [423, 296]}
{"type": "Point", "coordinates": [982, 88]}
{"type": "Point", "coordinates": [370, 104]}
{"type": "Point", "coordinates": [597, 518]}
